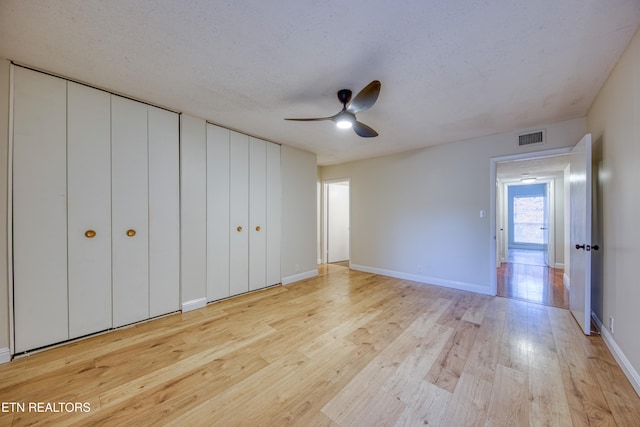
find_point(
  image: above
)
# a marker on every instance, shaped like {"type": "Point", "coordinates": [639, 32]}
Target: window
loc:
{"type": "Point", "coordinates": [527, 216]}
{"type": "Point", "coordinates": [528, 220]}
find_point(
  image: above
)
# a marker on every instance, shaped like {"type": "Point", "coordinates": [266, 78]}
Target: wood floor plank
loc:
{"type": "Point", "coordinates": [549, 405]}
{"type": "Point", "coordinates": [469, 403]}
{"type": "Point", "coordinates": [446, 372]}
{"type": "Point", "coordinates": [345, 348]}
{"type": "Point", "coordinates": [509, 399]}
{"type": "Point", "coordinates": [483, 358]}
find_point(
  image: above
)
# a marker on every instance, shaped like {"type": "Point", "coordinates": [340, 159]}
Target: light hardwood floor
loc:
{"type": "Point", "coordinates": [527, 277]}
{"type": "Point", "coordinates": [343, 349]}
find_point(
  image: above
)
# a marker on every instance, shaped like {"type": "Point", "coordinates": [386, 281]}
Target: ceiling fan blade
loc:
{"type": "Point", "coordinates": [364, 130]}
{"type": "Point", "coordinates": [365, 98]}
{"type": "Point", "coordinates": [312, 119]}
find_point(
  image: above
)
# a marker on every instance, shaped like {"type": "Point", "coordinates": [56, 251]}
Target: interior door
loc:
{"type": "Point", "coordinates": [580, 241]}
{"type": "Point", "coordinates": [89, 209]}
{"type": "Point", "coordinates": [218, 228]}
{"type": "Point", "coordinates": [257, 213]}
{"type": "Point", "coordinates": [274, 213]}
{"type": "Point", "coordinates": [164, 212]}
{"type": "Point", "coordinates": [239, 214]}
{"type": "Point", "coordinates": [39, 210]}
{"type": "Point", "coordinates": [338, 222]}
{"type": "Point", "coordinates": [130, 211]}
{"type": "Point", "coordinates": [545, 223]}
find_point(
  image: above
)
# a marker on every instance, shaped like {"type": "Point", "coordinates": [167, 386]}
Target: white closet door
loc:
{"type": "Point", "coordinates": [218, 224]}
{"type": "Point", "coordinates": [164, 212]}
{"type": "Point", "coordinates": [39, 210]}
{"type": "Point", "coordinates": [239, 214]}
{"type": "Point", "coordinates": [130, 213]}
{"type": "Point", "coordinates": [89, 209]}
{"type": "Point", "coordinates": [257, 213]}
{"type": "Point", "coordinates": [274, 213]}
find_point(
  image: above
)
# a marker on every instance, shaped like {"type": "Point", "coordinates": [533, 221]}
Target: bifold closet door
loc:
{"type": "Point", "coordinates": [274, 214]}
{"type": "Point", "coordinates": [130, 211]}
{"type": "Point", "coordinates": [257, 213]}
{"type": "Point", "coordinates": [39, 210]}
{"type": "Point", "coordinates": [239, 213]}
{"type": "Point", "coordinates": [218, 225]}
{"type": "Point", "coordinates": [89, 209]}
{"type": "Point", "coordinates": [164, 212]}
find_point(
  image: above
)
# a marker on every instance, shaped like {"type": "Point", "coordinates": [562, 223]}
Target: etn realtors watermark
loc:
{"type": "Point", "coordinates": [45, 407]}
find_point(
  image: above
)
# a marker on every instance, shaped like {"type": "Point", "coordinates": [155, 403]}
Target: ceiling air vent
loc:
{"type": "Point", "coordinates": [531, 138]}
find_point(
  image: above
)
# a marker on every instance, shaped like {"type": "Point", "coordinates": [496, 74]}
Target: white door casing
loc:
{"type": "Point", "coordinates": [337, 222]}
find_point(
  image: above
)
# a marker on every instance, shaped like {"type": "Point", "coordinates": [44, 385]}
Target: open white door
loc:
{"type": "Point", "coordinates": [580, 266]}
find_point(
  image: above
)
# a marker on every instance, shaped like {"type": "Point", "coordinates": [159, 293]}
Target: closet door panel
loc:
{"type": "Point", "coordinates": [164, 212]}
{"type": "Point", "coordinates": [274, 213]}
{"type": "Point", "coordinates": [39, 210]}
{"type": "Point", "coordinates": [89, 209]}
{"type": "Point", "coordinates": [218, 225]}
{"type": "Point", "coordinates": [239, 214]}
{"type": "Point", "coordinates": [130, 212]}
{"type": "Point", "coordinates": [257, 213]}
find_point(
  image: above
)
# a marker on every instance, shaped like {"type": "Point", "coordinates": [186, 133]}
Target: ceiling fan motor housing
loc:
{"type": "Point", "coordinates": [344, 95]}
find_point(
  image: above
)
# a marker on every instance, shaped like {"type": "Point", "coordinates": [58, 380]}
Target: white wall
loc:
{"type": "Point", "coordinates": [614, 122]}
{"type": "Point", "coordinates": [416, 214]}
{"type": "Point", "coordinates": [299, 213]}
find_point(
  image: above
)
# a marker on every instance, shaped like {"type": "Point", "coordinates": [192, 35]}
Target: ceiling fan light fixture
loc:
{"type": "Point", "coordinates": [344, 120]}
{"type": "Point", "coordinates": [344, 124]}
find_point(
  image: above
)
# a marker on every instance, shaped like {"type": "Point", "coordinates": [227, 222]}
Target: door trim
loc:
{"type": "Point", "coordinates": [9, 223]}
{"type": "Point", "coordinates": [493, 162]}
{"type": "Point", "coordinates": [325, 217]}
{"type": "Point", "coordinates": [551, 231]}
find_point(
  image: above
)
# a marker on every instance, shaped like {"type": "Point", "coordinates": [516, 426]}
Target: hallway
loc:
{"type": "Point", "coordinates": [526, 277]}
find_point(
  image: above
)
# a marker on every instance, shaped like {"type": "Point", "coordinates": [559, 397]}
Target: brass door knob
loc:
{"type": "Point", "coordinates": [257, 228]}
{"type": "Point", "coordinates": [90, 234]}
{"type": "Point", "coordinates": [131, 233]}
{"type": "Point", "coordinates": [239, 229]}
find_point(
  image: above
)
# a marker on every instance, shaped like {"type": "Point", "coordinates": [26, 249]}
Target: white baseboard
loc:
{"type": "Point", "coordinates": [565, 280]}
{"type": "Point", "coordinates": [299, 276]}
{"type": "Point", "coordinates": [5, 355]}
{"type": "Point", "coordinates": [628, 369]}
{"type": "Point", "coordinates": [194, 304]}
{"type": "Point", "coordinates": [319, 260]}
{"type": "Point", "coordinates": [425, 279]}
{"type": "Point", "coordinates": [559, 265]}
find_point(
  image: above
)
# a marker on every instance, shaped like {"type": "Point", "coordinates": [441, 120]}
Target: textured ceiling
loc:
{"type": "Point", "coordinates": [450, 69]}
{"type": "Point", "coordinates": [539, 168]}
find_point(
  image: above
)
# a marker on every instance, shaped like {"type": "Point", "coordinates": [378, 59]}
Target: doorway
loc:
{"type": "Point", "coordinates": [336, 248]}
{"type": "Point", "coordinates": [530, 229]}
{"type": "Point", "coordinates": [528, 219]}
